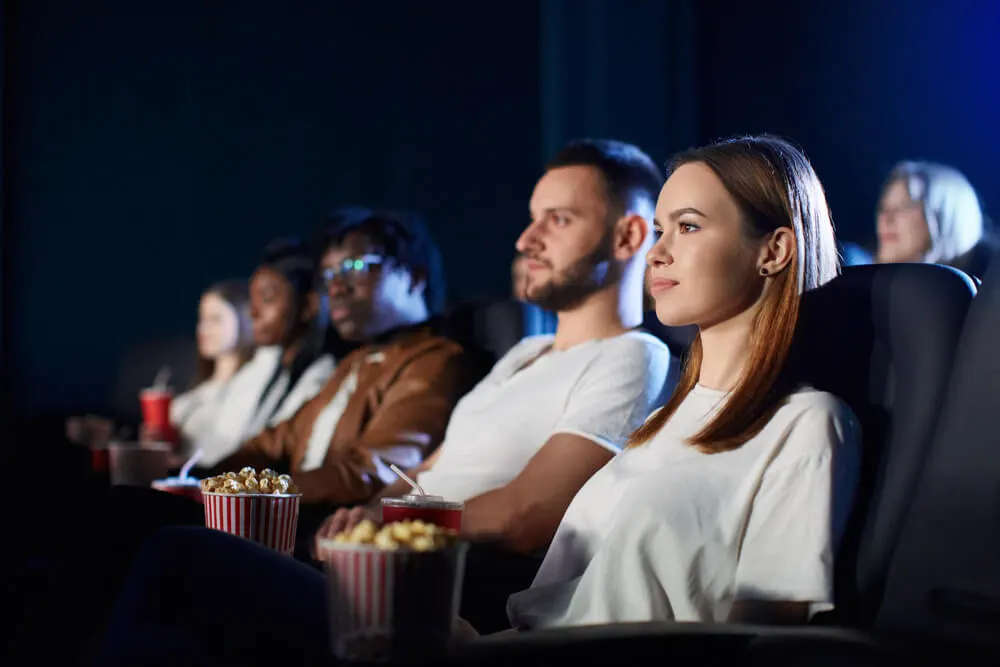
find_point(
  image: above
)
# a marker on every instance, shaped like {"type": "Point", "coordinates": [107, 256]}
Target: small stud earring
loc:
{"type": "Point", "coordinates": [763, 272]}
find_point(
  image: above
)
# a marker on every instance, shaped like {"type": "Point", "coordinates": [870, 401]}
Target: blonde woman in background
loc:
{"type": "Point", "coordinates": [930, 213]}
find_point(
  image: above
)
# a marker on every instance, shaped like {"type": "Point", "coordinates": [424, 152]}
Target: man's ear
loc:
{"type": "Point", "coordinates": [630, 235]}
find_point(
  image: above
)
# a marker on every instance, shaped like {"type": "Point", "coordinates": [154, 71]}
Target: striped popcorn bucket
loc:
{"type": "Point", "coordinates": [268, 520]}
{"type": "Point", "coordinates": [392, 606]}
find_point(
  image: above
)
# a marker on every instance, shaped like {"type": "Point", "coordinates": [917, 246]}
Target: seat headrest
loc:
{"type": "Point", "coordinates": [493, 327]}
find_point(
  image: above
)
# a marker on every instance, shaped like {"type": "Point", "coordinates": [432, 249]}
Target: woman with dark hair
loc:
{"type": "Point", "coordinates": [225, 344]}
{"type": "Point", "coordinates": [223, 330]}
{"type": "Point", "coordinates": [290, 365]}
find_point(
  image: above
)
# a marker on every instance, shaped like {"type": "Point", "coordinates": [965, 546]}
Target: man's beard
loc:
{"type": "Point", "coordinates": [574, 284]}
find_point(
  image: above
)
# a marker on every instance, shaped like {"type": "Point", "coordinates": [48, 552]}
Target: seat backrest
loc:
{"type": "Point", "coordinates": [882, 338]}
{"type": "Point", "coordinates": [138, 368]}
{"type": "Point", "coordinates": [944, 582]}
{"type": "Point", "coordinates": [488, 329]}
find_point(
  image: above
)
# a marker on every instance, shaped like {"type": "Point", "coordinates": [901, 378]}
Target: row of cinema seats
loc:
{"type": "Point", "coordinates": [914, 350]}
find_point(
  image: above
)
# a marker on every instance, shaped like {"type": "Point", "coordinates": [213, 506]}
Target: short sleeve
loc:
{"type": "Point", "coordinates": [617, 391]}
{"type": "Point", "coordinates": [799, 511]}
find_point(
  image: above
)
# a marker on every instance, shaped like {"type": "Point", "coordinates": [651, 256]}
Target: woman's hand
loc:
{"type": "Point", "coordinates": [462, 630]}
{"type": "Point", "coordinates": [91, 431]}
{"type": "Point", "coordinates": [341, 520]}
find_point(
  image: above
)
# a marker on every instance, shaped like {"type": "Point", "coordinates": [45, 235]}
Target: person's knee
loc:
{"type": "Point", "coordinates": [174, 547]}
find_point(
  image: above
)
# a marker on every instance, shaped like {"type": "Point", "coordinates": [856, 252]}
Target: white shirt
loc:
{"type": "Point", "coordinates": [193, 412]}
{"type": "Point", "coordinates": [326, 423]}
{"type": "Point", "coordinates": [601, 390]}
{"type": "Point", "coordinates": [664, 532]}
{"type": "Point", "coordinates": [241, 413]}
{"type": "Point", "coordinates": [273, 409]}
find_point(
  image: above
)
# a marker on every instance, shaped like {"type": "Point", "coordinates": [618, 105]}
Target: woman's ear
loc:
{"type": "Point", "coordinates": [777, 251]}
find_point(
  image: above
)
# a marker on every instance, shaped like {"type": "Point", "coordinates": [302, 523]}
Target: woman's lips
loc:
{"type": "Point", "coordinates": [659, 285]}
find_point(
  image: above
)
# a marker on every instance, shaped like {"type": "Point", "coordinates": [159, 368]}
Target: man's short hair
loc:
{"type": "Point", "coordinates": [629, 174]}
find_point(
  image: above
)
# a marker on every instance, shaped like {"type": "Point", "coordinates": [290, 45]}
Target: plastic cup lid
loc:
{"type": "Point", "coordinates": [177, 481]}
{"type": "Point", "coordinates": [415, 499]}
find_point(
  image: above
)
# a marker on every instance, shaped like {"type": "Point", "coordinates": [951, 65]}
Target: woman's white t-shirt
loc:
{"type": "Point", "coordinates": [665, 532]}
{"type": "Point", "coordinates": [193, 412]}
{"type": "Point", "coordinates": [238, 410]}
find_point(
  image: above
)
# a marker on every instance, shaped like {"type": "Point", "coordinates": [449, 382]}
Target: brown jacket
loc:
{"type": "Point", "coordinates": [405, 393]}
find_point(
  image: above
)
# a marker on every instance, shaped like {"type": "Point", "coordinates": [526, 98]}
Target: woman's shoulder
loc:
{"type": "Point", "coordinates": [807, 398]}
{"type": "Point", "coordinates": [203, 391]}
{"type": "Point", "coordinates": [322, 365]}
{"type": "Point", "coordinates": [817, 420]}
{"type": "Point", "coordinates": [315, 374]}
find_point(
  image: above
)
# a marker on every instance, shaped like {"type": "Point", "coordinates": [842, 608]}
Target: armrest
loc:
{"type": "Point", "coordinates": [666, 643]}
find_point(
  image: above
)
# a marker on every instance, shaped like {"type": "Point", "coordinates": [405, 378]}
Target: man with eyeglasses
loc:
{"type": "Point", "coordinates": [389, 400]}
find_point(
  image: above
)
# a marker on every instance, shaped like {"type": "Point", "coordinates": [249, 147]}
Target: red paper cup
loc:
{"type": "Point", "coordinates": [156, 407]}
{"type": "Point", "coordinates": [189, 488]}
{"type": "Point", "coordinates": [99, 461]}
{"type": "Point", "coordinates": [270, 520]}
{"type": "Point", "coordinates": [156, 413]}
{"type": "Point", "coordinates": [429, 509]}
{"type": "Point", "coordinates": [392, 606]}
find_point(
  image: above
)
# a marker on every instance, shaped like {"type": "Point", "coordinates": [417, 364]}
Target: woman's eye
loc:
{"type": "Point", "coordinates": [686, 227]}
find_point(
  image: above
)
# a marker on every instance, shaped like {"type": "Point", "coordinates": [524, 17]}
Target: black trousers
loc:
{"type": "Point", "coordinates": [197, 595]}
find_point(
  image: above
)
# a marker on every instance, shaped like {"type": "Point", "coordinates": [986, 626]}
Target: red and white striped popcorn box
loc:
{"type": "Point", "coordinates": [270, 520]}
{"type": "Point", "coordinates": [386, 606]}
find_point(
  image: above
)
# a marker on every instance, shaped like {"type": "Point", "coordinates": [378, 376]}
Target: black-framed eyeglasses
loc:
{"type": "Point", "coordinates": [351, 268]}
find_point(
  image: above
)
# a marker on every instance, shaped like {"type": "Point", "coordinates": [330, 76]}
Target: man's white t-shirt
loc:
{"type": "Point", "coordinates": [664, 532]}
{"type": "Point", "coordinates": [601, 390]}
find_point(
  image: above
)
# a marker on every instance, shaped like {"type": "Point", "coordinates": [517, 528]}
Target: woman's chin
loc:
{"type": "Point", "coordinates": [672, 318]}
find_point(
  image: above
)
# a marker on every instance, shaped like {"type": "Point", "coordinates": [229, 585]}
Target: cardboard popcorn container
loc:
{"type": "Point", "coordinates": [392, 606]}
{"type": "Point", "coordinates": [270, 520]}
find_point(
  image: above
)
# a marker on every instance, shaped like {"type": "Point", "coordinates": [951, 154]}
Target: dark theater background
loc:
{"type": "Point", "coordinates": [151, 148]}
